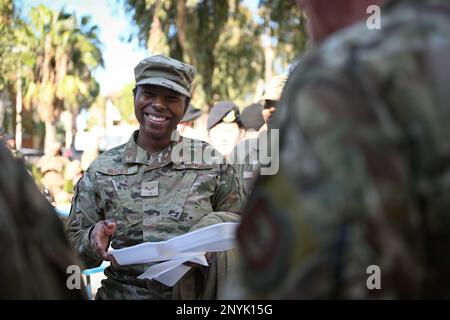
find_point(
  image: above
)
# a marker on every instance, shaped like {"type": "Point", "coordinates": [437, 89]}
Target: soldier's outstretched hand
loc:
{"type": "Point", "coordinates": [101, 235]}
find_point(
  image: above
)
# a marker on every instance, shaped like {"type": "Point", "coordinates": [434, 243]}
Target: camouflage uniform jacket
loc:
{"type": "Point", "coordinates": [364, 167]}
{"type": "Point", "coordinates": [253, 157]}
{"type": "Point", "coordinates": [247, 164]}
{"type": "Point", "coordinates": [152, 198]}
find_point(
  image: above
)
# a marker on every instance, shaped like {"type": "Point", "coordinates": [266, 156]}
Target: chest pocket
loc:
{"type": "Point", "coordinates": [122, 189]}
{"type": "Point", "coordinates": [185, 186]}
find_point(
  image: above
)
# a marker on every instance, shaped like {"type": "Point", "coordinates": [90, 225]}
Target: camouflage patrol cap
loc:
{"type": "Point", "coordinates": [166, 72]}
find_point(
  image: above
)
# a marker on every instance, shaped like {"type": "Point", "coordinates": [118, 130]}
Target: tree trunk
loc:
{"type": "Point", "coordinates": [74, 130]}
{"type": "Point", "coordinates": [67, 119]}
{"type": "Point", "coordinates": [180, 22]}
{"type": "Point", "coordinates": [50, 136]}
{"type": "Point", "coordinates": [156, 42]}
{"type": "Point", "coordinates": [268, 55]}
{"type": "Point", "coordinates": [212, 16]}
{"type": "Point", "coordinates": [18, 136]}
{"type": "Point", "coordinates": [206, 71]}
{"type": "Point", "coordinates": [3, 101]}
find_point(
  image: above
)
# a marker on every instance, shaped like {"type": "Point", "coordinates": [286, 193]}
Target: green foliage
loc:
{"type": "Point", "coordinates": [97, 113]}
{"type": "Point", "coordinates": [8, 58]}
{"type": "Point", "coordinates": [68, 186]}
{"type": "Point", "coordinates": [67, 52]}
{"type": "Point", "coordinates": [216, 36]}
{"type": "Point", "coordinates": [37, 176]}
{"type": "Point", "coordinates": [57, 75]}
{"type": "Point", "coordinates": [222, 40]}
{"type": "Point", "coordinates": [287, 27]}
{"type": "Point", "coordinates": [238, 46]}
{"type": "Point", "coordinates": [124, 103]}
{"type": "Point", "coordinates": [206, 23]}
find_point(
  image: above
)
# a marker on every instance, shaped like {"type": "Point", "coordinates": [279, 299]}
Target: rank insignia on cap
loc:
{"type": "Point", "coordinates": [230, 117]}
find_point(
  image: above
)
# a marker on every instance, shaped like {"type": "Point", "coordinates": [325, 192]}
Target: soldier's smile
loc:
{"type": "Point", "coordinates": [156, 119]}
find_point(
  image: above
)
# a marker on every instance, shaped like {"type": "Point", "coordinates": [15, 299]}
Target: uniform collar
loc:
{"type": "Point", "coordinates": [134, 154]}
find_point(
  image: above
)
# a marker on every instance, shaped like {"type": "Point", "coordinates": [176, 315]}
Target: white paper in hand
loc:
{"type": "Point", "coordinates": [176, 251]}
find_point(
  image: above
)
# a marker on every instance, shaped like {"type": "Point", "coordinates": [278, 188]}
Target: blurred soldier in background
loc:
{"type": "Point", "coordinates": [359, 208]}
{"type": "Point", "coordinates": [225, 127]}
{"type": "Point", "coordinates": [271, 98]}
{"type": "Point", "coordinates": [52, 167]}
{"type": "Point", "coordinates": [252, 120]}
{"type": "Point", "coordinates": [34, 249]}
{"type": "Point", "coordinates": [73, 172]}
{"type": "Point", "coordinates": [186, 125]}
{"type": "Point", "coordinates": [246, 155]}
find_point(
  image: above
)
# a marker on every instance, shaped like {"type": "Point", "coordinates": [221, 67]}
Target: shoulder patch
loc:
{"type": "Point", "coordinates": [265, 240]}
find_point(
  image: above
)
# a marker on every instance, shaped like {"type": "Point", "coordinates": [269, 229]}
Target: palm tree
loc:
{"type": "Point", "coordinates": [77, 87]}
{"type": "Point", "coordinates": [65, 55]}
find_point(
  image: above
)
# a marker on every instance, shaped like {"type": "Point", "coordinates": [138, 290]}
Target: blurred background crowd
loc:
{"type": "Point", "coordinates": [64, 97]}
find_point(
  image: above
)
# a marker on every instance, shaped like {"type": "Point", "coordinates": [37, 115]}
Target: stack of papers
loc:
{"type": "Point", "coordinates": [173, 253]}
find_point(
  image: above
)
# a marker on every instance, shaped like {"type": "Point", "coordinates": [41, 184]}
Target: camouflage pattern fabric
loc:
{"type": "Point", "coordinates": [364, 167]}
{"type": "Point", "coordinates": [247, 157]}
{"type": "Point", "coordinates": [165, 72]}
{"type": "Point", "coordinates": [35, 251]}
{"type": "Point", "coordinates": [249, 169]}
{"type": "Point", "coordinates": [209, 282]}
{"type": "Point", "coordinates": [17, 154]}
{"type": "Point", "coordinates": [152, 198]}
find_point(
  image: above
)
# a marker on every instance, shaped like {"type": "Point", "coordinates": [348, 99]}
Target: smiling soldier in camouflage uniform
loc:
{"type": "Point", "coordinates": [138, 192]}
{"type": "Point", "coordinates": [364, 162]}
